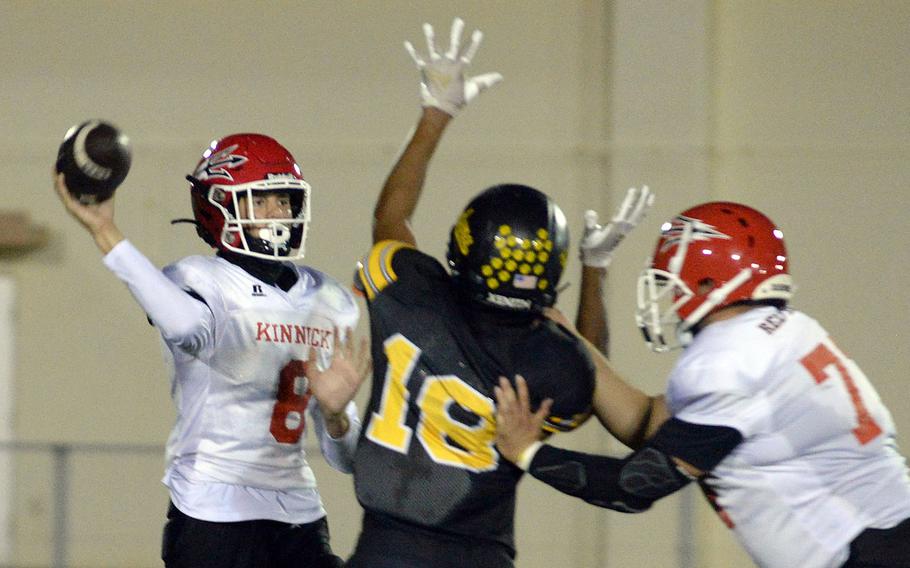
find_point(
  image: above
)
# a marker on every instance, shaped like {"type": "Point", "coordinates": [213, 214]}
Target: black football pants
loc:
{"type": "Point", "coordinates": [881, 548]}
{"type": "Point", "coordinates": [191, 543]}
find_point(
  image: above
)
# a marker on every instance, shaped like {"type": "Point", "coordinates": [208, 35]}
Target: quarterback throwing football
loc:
{"type": "Point", "coordinates": [249, 336]}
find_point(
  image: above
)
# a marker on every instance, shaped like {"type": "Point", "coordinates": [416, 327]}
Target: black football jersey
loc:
{"type": "Point", "coordinates": [427, 452]}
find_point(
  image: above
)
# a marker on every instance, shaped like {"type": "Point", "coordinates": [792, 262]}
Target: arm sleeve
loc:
{"type": "Point", "coordinates": [338, 452]}
{"type": "Point", "coordinates": [182, 319]}
{"type": "Point", "coordinates": [627, 485]}
{"type": "Point", "coordinates": [701, 445]}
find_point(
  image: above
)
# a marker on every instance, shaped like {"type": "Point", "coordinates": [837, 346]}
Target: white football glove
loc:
{"type": "Point", "coordinates": [442, 81]}
{"type": "Point", "coordinates": [598, 242]}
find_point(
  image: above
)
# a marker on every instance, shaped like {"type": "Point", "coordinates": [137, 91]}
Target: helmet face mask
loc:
{"type": "Point", "coordinates": [660, 295]}
{"type": "Point", "coordinates": [709, 257]}
{"type": "Point", "coordinates": [245, 166]}
{"type": "Point", "coordinates": [508, 249]}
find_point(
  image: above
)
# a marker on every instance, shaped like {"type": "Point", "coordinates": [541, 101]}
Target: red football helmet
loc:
{"type": "Point", "coordinates": [244, 165]}
{"type": "Point", "coordinates": [708, 257]}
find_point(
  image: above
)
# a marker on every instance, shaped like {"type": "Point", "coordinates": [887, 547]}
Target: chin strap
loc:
{"type": "Point", "coordinates": [190, 221]}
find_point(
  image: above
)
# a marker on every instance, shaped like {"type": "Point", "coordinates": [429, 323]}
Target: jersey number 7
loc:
{"type": "Point", "coordinates": [817, 363]}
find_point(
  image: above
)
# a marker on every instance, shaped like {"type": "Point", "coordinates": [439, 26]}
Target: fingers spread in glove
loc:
{"type": "Point", "coordinates": [646, 201]}
{"type": "Point", "coordinates": [471, 51]}
{"type": "Point", "coordinates": [627, 205]}
{"type": "Point", "coordinates": [590, 220]}
{"type": "Point", "coordinates": [485, 81]}
{"type": "Point", "coordinates": [431, 41]}
{"type": "Point", "coordinates": [417, 59]}
{"type": "Point", "coordinates": [455, 39]}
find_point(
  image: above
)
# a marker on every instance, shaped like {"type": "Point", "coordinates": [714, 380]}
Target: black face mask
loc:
{"type": "Point", "coordinates": [272, 272]}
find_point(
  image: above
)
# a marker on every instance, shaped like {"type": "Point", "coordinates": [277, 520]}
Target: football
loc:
{"type": "Point", "coordinates": [94, 158]}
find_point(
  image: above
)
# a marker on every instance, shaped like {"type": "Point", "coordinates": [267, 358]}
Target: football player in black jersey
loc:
{"type": "Point", "coordinates": [436, 493]}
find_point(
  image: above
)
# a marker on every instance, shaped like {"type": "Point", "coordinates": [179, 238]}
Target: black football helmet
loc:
{"type": "Point", "coordinates": [508, 248]}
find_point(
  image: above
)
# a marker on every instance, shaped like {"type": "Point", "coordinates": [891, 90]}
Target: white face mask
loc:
{"type": "Point", "coordinates": [266, 237]}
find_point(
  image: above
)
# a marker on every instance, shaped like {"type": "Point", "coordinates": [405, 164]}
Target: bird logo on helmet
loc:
{"type": "Point", "coordinates": [709, 257]}
{"type": "Point", "coordinates": [508, 248]}
{"type": "Point", "coordinates": [243, 166]}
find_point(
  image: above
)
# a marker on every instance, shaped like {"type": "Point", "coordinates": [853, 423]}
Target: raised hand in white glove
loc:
{"type": "Point", "coordinates": [598, 242]}
{"type": "Point", "coordinates": [442, 81]}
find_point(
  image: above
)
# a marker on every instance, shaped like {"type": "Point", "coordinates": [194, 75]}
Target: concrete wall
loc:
{"type": "Point", "coordinates": [800, 109]}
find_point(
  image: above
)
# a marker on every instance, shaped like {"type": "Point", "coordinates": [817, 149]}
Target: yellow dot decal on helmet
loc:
{"type": "Point", "coordinates": [493, 283]}
{"type": "Point", "coordinates": [486, 270]}
{"type": "Point", "coordinates": [525, 269]}
{"type": "Point", "coordinates": [536, 245]}
{"type": "Point", "coordinates": [544, 256]}
{"type": "Point", "coordinates": [510, 265]}
{"type": "Point", "coordinates": [511, 240]}
{"type": "Point", "coordinates": [505, 230]}
{"type": "Point", "coordinates": [518, 255]}
{"type": "Point", "coordinates": [548, 245]}
{"type": "Point", "coordinates": [530, 256]}
{"type": "Point", "coordinates": [503, 275]}
{"type": "Point", "coordinates": [499, 242]}
{"type": "Point", "coordinates": [525, 244]}
{"type": "Point", "coordinates": [496, 263]}
{"type": "Point", "coordinates": [538, 269]}
{"type": "Point", "coordinates": [506, 253]}
{"type": "Point", "coordinates": [543, 283]}
{"type": "Point", "coordinates": [542, 233]}
{"type": "Point", "coordinates": [462, 232]}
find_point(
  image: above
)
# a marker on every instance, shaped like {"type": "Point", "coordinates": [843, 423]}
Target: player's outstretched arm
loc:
{"type": "Point", "coordinates": [596, 250]}
{"type": "Point", "coordinates": [629, 414]}
{"type": "Point", "coordinates": [445, 90]}
{"type": "Point", "coordinates": [98, 219]}
{"type": "Point", "coordinates": [629, 485]}
{"type": "Point", "coordinates": [182, 319]}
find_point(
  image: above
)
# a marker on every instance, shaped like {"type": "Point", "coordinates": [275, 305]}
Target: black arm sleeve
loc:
{"type": "Point", "coordinates": [701, 445]}
{"type": "Point", "coordinates": [628, 485]}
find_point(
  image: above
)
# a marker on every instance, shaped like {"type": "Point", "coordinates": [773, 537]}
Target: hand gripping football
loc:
{"type": "Point", "coordinates": [94, 158]}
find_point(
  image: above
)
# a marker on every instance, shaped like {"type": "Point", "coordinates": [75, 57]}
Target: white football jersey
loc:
{"type": "Point", "coordinates": [236, 449]}
{"type": "Point", "coordinates": [818, 463]}
{"type": "Point", "coordinates": [241, 397]}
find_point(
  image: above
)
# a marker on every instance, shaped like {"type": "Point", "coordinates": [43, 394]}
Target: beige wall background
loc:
{"type": "Point", "coordinates": [798, 108]}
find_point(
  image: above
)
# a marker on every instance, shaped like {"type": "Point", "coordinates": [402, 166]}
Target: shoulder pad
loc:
{"type": "Point", "coordinates": [375, 271]}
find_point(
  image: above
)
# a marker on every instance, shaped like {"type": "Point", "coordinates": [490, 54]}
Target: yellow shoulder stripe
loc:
{"type": "Point", "coordinates": [375, 271]}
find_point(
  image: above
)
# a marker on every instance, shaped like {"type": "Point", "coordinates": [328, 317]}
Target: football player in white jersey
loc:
{"type": "Point", "coordinates": [248, 334]}
{"type": "Point", "coordinates": [785, 434]}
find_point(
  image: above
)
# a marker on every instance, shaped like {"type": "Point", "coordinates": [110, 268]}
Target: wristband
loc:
{"type": "Point", "coordinates": [527, 455]}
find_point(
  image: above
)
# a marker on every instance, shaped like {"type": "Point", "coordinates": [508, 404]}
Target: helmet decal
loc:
{"type": "Point", "coordinates": [217, 164]}
{"type": "Point", "coordinates": [700, 231]}
{"type": "Point", "coordinates": [520, 261]}
{"type": "Point", "coordinates": [462, 232]}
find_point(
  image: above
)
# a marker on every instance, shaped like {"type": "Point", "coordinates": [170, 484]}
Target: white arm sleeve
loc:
{"type": "Point", "coordinates": [182, 320]}
{"type": "Point", "coordinates": [339, 453]}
